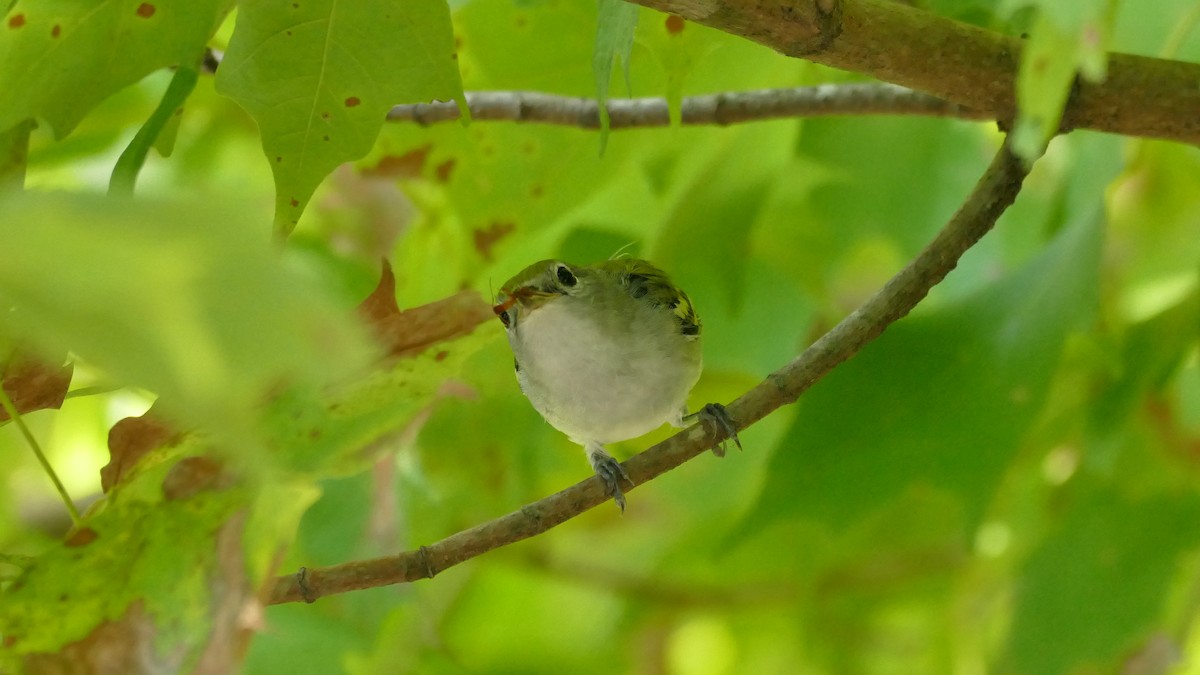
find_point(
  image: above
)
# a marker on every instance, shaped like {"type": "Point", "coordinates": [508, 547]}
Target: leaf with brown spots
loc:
{"type": "Point", "coordinates": [301, 91]}
{"type": "Point", "coordinates": [146, 586]}
{"type": "Point", "coordinates": [221, 617]}
{"type": "Point", "coordinates": [444, 170]}
{"type": "Point", "coordinates": [408, 165]}
{"type": "Point", "coordinates": [129, 440]}
{"type": "Point", "coordinates": [409, 332]}
{"type": "Point", "coordinates": [487, 238]}
{"type": "Point", "coordinates": [123, 645]}
{"type": "Point", "coordinates": [33, 384]}
{"type": "Point", "coordinates": [192, 475]}
{"type": "Point", "coordinates": [81, 537]}
{"type": "Point", "coordinates": [61, 59]}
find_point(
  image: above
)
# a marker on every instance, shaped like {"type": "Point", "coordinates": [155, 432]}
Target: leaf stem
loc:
{"type": "Point", "coordinates": [15, 416]}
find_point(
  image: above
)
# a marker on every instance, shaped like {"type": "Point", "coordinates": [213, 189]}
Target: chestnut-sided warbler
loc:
{"type": "Point", "coordinates": [605, 352]}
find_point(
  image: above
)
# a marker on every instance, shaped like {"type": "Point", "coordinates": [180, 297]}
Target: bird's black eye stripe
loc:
{"type": "Point", "coordinates": [565, 277]}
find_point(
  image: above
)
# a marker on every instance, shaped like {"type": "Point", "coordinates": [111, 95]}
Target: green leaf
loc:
{"type": "Point", "coordinates": [319, 77]}
{"type": "Point", "coordinates": [941, 401]}
{"type": "Point", "coordinates": [1067, 38]}
{"type": "Point", "coordinates": [182, 298]}
{"type": "Point", "coordinates": [615, 25]}
{"type": "Point", "coordinates": [14, 153]}
{"type": "Point", "coordinates": [329, 434]}
{"type": "Point", "coordinates": [714, 202]}
{"type": "Point", "coordinates": [1097, 583]}
{"type": "Point", "coordinates": [1152, 351]}
{"type": "Point", "coordinates": [59, 58]}
{"type": "Point", "coordinates": [153, 551]}
{"type": "Point", "coordinates": [130, 163]}
{"type": "Point", "coordinates": [680, 49]}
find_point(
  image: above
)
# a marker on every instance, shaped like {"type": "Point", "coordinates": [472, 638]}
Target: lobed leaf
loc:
{"type": "Point", "coordinates": [320, 75]}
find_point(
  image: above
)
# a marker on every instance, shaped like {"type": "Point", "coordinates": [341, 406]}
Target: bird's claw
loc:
{"type": "Point", "coordinates": [716, 418]}
{"type": "Point", "coordinates": [612, 473]}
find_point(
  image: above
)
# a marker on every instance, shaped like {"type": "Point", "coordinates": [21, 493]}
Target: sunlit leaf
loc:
{"type": "Point", "coordinates": [319, 77]}
{"type": "Point", "coordinates": [181, 298]}
{"type": "Point", "coordinates": [59, 58]}
{"type": "Point", "coordinates": [159, 555]}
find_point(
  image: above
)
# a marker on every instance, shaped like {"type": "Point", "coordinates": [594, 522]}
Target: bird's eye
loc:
{"type": "Point", "coordinates": [565, 277]}
{"type": "Point", "coordinates": [505, 318]}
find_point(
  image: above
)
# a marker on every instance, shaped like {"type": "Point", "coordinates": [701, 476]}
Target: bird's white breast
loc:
{"type": "Point", "coordinates": [604, 381]}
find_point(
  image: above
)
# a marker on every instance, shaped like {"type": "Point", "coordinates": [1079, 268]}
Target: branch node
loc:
{"type": "Point", "coordinates": [302, 584]}
{"type": "Point", "coordinates": [426, 563]}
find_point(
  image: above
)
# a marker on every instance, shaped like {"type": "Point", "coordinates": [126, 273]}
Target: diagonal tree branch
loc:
{"type": "Point", "coordinates": [714, 109]}
{"type": "Point", "coordinates": [994, 192]}
{"type": "Point", "coordinates": [972, 66]}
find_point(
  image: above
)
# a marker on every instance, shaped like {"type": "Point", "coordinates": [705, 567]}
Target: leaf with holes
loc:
{"type": "Point", "coordinates": [319, 77]}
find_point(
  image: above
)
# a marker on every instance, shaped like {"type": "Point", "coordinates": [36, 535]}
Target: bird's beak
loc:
{"type": "Point", "coordinates": [527, 297]}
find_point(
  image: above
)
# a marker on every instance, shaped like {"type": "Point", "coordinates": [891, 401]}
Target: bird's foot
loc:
{"type": "Point", "coordinates": [610, 471]}
{"type": "Point", "coordinates": [717, 420]}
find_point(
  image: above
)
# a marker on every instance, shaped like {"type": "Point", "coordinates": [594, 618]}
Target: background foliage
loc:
{"type": "Point", "coordinates": [1005, 481]}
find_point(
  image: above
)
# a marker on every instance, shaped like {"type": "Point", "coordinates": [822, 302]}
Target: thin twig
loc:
{"type": "Point", "coordinates": [994, 192]}
{"type": "Point", "coordinates": [15, 416]}
{"type": "Point", "coordinates": [719, 109]}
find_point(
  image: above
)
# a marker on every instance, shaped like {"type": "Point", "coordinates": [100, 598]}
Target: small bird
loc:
{"type": "Point", "coordinates": [605, 352]}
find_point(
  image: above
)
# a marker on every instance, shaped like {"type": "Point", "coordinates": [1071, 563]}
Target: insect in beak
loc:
{"type": "Point", "coordinates": [514, 296]}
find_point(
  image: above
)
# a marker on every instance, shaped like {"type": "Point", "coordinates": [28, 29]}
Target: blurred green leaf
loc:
{"type": "Point", "coordinates": [329, 433]}
{"type": "Point", "coordinates": [181, 298]}
{"type": "Point", "coordinates": [1152, 350]}
{"type": "Point", "coordinates": [319, 78]}
{"type": "Point", "coordinates": [59, 58]}
{"type": "Point", "coordinates": [848, 199]}
{"type": "Point", "coordinates": [941, 401]}
{"type": "Point", "coordinates": [1154, 213]}
{"type": "Point", "coordinates": [712, 206]}
{"type": "Point", "coordinates": [14, 151]}
{"type": "Point", "coordinates": [680, 49]}
{"type": "Point", "coordinates": [615, 25]}
{"type": "Point", "coordinates": [1066, 38]}
{"type": "Point", "coordinates": [1096, 584]}
{"type": "Point", "coordinates": [139, 549]}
